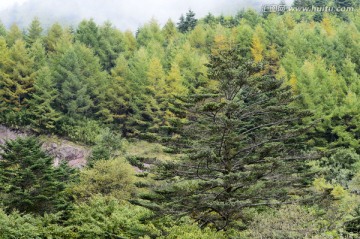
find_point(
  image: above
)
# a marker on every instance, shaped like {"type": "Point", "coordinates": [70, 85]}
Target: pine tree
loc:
{"type": "Point", "coordinates": [150, 32]}
{"type": "Point", "coordinates": [181, 25]}
{"type": "Point", "coordinates": [257, 48]}
{"type": "Point", "coordinates": [79, 80]}
{"type": "Point", "coordinates": [38, 54]}
{"type": "Point", "coordinates": [74, 98]}
{"type": "Point", "coordinates": [169, 31]}
{"type": "Point", "coordinates": [42, 114]}
{"type": "Point", "coordinates": [55, 33]}
{"type": "Point", "coordinates": [13, 35]}
{"type": "Point", "coordinates": [88, 34]}
{"type": "Point", "coordinates": [118, 105]}
{"type": "Point", "coordinates": [5, 81]}
{"type": "Point", "coordinates": [34, 32]}
{"type": "Point", "coordinates": [111, 45]}
{"type": "Point", "coordinates": [187, 23]}
{"type": "Point", "coordinates": [17, 83]}
{"type": "Point", "coordinates": [3, 30]}
{"type": "Point", "coordinates": [28, 180]}
{"type": "Point", "coordinates": [243, 144]}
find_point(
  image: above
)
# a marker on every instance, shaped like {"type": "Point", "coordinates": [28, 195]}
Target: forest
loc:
{"type": "Point", "coordinates": [241, 126]}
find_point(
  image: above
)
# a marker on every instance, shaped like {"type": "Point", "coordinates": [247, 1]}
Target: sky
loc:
{"type": "Point", "coordinates": [125, 14]}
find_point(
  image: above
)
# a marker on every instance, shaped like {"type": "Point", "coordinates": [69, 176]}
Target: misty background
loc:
{"type": "Point", "coordinates": [123, 14]}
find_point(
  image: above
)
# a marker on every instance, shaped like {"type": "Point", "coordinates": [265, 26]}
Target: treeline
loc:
{"type": "Point", "coordinates": [71, 82]}
{"type": "Point", "coordinates": [263, 110]}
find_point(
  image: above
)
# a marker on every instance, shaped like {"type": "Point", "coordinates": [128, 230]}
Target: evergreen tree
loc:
{"type": "Point", "coordinates": [187, 23]}
{"type": "Point", "coordinates": [303, 3]}
{"type": "Point", "coordinates": [13, 35]}
{"type": "Point", "coordinates": [5, 80]}
{"type": "Point", "coordinates": [34, 32]}
{"type": "Point", "coordinates": [38, 54]}
{"type": "Point", "coordinates": [149, 33]}
{"type": "Point", "coordinates": [243, 145]}
{"type": "Point", "coordinates": [3, 31]}
{"type": "Point", "coordinates": [28, 181]}
{"type": "Point", "coordinates": [115, 100]}
{"type": "Point", "coordinates": [42, 114]}
{"type": "Point", "coordinates": [169, 31]}
{"type": "Point", "coordinates": [55, 33]}
{"type": "Point", "coordinates": [88, 34]}
{"type": "Point", "coordinates": [111, 45]}
{"type": "Point", "coordinates": [344, 3]}
{"type": "Point", "coordinates": [79, 80]}
{"type": "Point", "coordinates": [17, 82]}
{"type": "Point", "coordinates": [210, 19]}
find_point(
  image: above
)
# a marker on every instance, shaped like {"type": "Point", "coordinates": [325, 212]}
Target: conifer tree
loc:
{"type": "Point", "coordinates": [188, 22]}
{"type": "Point", "coordinates": [118, 105]}
{"type": "Point", "coordinates": [34, 32]}
{"type": "Point", "coordinates": [3, 31]}
{"type": "Point", "coordinates": [28, 181]}
{"type": "Point", "coordinates": [169, 31]}
{"type": "Point", "coordinates": [79, 81]}
{"type": "Point", "coordinates": [88, 34]}
{"type": "Point", "coordinates": [13, 35]}
{"type": "Point", "coordinates": [5, 80]}
{"type": "Point", "coordinates": [111, 44]}
{"type": "Point", "coordinates": [38, 54]}
{"type": "Point", "coordinates": [17, 84]}
{"type": "Point", "coordinates": [42, 114]}
{"type": "Point", "coordinates": [243, 145]}
{"type": "Point", "coordinates": [257, 48]}
{"type": "Point", "coordinates": [55, 33]}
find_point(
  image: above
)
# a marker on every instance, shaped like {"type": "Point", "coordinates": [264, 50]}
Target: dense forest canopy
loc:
{"type": "Point", "coordinates": [252, 119]}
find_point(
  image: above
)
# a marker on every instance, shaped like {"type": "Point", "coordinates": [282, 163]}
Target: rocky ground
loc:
{"type": "Point", "coordinates": [61, 150]}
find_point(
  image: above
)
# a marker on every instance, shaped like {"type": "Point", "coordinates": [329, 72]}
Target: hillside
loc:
{"type": "Point", "coordinates": [236, 126]}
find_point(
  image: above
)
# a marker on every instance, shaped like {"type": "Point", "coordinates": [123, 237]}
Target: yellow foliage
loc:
{"type": "Point", "coordinates": [109, 178]}
{"type": "Point", "coordinates": [156, 75]}
{"type": "Point", "coordinates": [174, 81]}
{"type": "Point", "coordinates": [327, 25]}
{"type": "Point", "coordinates": [339, 192]}
{"type": "Point", "coordinates": [257, 49]}
{"type": "Point", "coordinates": [220, 44]}
{"type": "Point", "coordinates": [293, 83]}
{"type": "Point", "coordinates": [281, 74]}
{"type": "Point", "coordinates": [289, 21]}
{"type": "Point", "coordinates": [321, 185]}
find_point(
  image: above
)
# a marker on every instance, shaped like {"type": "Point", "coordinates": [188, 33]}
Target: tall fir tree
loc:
{"type": "Point", "coordinates": [13, 35]}
{"type": "Point", "coordinates": [244, 148]}
{"type": "Point", "coordinates": [34, 32]}
{"type": "Point", "coordinates": [17, 83]}
{"type": "Point", "coordinates": [3, 30]}
{"type": "Point", "coordinates": [79, 80]}
{"type": "Point", "coordinates": [42, 114]}
{"type": "Point", "coordinates": [187, 23]}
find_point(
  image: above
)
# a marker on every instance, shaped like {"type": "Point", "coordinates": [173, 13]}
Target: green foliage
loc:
{"type": "Point", "coordinates": [42, 114]}
{"type": "Point", "coordinates": [340, 166]}
{"type": "Point", "coordinates": [236, 141]}
{"type": "Point", "coordinates": [29, 182]}
{"type": "Point", "coordinates": [13, 35]}
{"type": "Point", "coordinates": [113, 177]}
{"type": "Point", "coordinates": [34, 32]}
{"type": "Point", "coordinates": [16, 225]}
{"type": "Point", "coordinates": [94, 83]}
{"type": "Point", "coordinates": [108, 218]}
{"type": "Point", "coordinates": [81, 130]}
{"type": "Point", "coordinates": [16, 82]}
{"type": "Point", "coordinates": [187, 23]}
{"type": "Point", "coordinates": [187, 229]}
{"type": "Point", "coordinates": [107, 145]}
